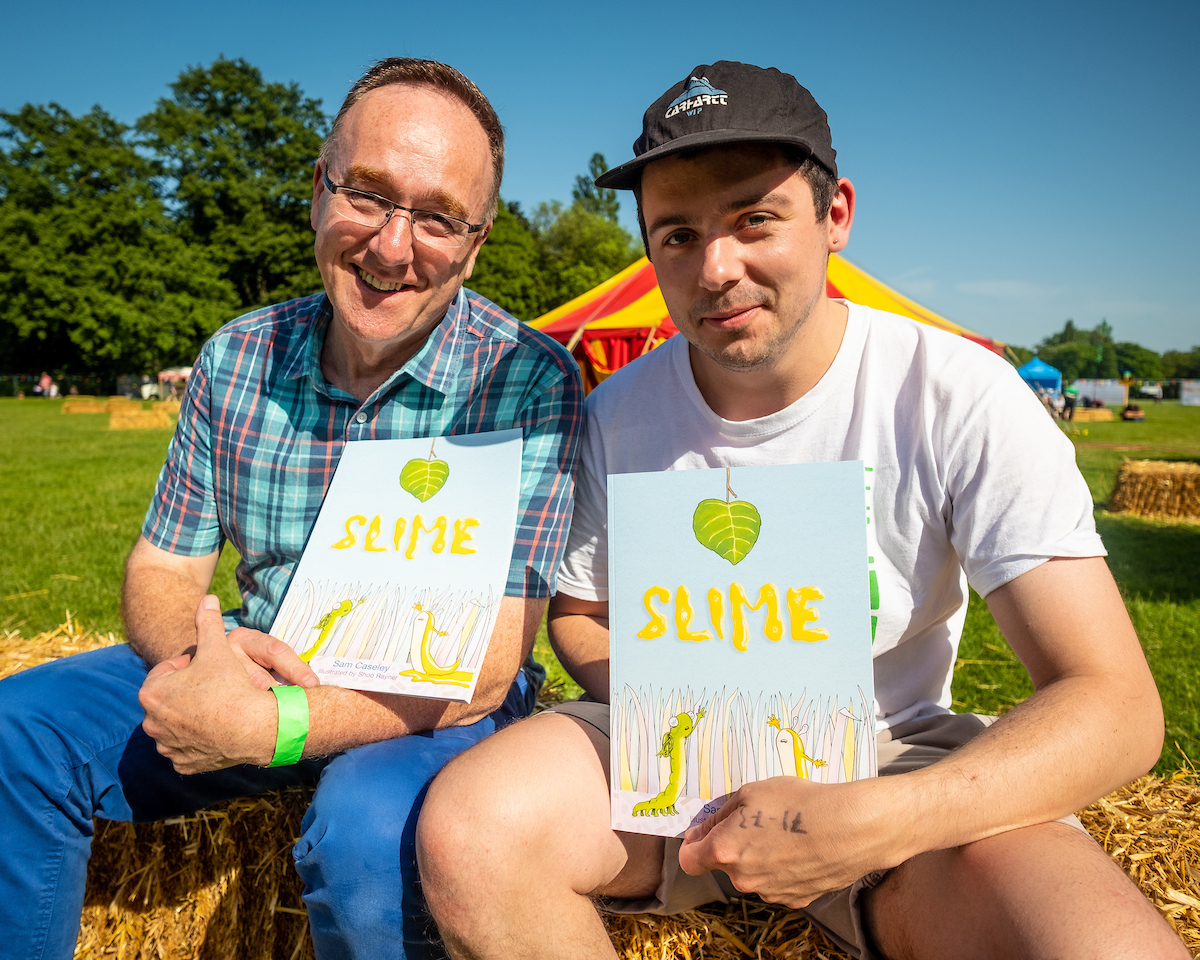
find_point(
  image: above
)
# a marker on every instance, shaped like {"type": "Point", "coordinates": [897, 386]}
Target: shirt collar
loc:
{"type": "Point", "coordinates": [435, 365]}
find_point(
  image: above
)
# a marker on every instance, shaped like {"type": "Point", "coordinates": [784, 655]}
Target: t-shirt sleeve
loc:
{"type": "Point", "coordinates": [551, 422]}
{"type": "Point", "coordinates": [182, 517]}
{"type": "Point", "coordinates": [584, 571]}
{"type": "Point", "coordinates": [1016, 496]}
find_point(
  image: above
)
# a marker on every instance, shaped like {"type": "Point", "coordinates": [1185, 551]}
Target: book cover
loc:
{"type": "Point", "coordinates": [400, 583]}
{"type": "Point", "coordinates": [740, 636]}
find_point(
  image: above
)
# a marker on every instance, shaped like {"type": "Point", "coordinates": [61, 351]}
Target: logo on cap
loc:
{"type": "Point", "coordinates": [698, 95]}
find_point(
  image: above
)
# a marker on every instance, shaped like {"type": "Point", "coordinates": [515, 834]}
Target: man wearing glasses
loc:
{"type": "Point", "coordinates": [404, 193]}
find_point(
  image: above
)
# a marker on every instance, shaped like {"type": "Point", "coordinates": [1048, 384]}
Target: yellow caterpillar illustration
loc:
{"type": "Point", "coordinates": [431, 671]}
{"type": "Point", "coordinates": [791, 750]}
{"type": "Point", "coordinates": [679, 729]}
{"type": "Point", "coordinates": [326, 625]}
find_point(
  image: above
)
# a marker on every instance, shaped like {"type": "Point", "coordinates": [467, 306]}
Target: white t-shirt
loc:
{"type": "Point", "coordinates": [971, 481]}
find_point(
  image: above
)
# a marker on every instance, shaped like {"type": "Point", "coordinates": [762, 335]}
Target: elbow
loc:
{"type": "Point", "coordinates": [1142, 723]}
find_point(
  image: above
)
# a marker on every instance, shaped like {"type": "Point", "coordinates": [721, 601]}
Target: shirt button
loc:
{"type": "Point", "coordinates": [360, 417]}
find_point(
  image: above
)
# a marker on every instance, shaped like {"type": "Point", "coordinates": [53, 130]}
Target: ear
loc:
{"type": "Point", "coordinates": [841, 216]}
{"type": "Point", "coordinates": [475, 248]}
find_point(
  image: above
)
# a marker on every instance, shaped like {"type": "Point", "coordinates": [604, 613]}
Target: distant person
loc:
{"type": "Point", "coordinates": [404, 194]}
{"type": "Point", "coordinates": [1070, 398]}
{"type": "Point", "coordinates": [42, 387]}
{"type": "Point", "coordinates": [966, 846]}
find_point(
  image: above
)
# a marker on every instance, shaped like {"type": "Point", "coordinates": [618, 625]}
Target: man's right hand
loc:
{"type": "Point", "coordinates": [268, 660]}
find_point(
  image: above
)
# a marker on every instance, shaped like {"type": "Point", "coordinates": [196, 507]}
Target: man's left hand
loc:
{"type": "Point", "coordinates": [204, 711]}
{"type": "Point", "coordinates": [790, 840]}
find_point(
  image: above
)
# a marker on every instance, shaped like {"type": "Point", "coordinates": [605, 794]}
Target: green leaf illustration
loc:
{"type": "Point", "coordinates": [729, 530]}
{"type": "Point", "coordinates": [424, 478]}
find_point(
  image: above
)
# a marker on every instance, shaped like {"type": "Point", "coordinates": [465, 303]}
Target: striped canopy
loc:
{"type": "Point", "coordinates": [625, 316]}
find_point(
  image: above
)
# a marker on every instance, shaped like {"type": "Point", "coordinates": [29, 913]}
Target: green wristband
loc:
{"type": "Point", "coordinates": [293, 725]}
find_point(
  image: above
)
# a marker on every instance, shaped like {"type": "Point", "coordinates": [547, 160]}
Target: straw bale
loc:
{"type": "Point", "coordinates": [1091, 415]}
{"type": "Point", "coordinates": [219, 884]}
{"type": "Point", "coordinates": [132, 417]}
{"type": "Point", "coordinates": [1161, 489]}
{"type": "Point", "coordinates": [83, 406]}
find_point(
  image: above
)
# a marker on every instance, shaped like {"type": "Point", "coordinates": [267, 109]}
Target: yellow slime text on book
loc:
{"type": "Point", "coordinates": [798, 599]}
{"type": "Point", "coordinates": [801, 614]}
{"type": "Point", "coordinates": [459, 540]}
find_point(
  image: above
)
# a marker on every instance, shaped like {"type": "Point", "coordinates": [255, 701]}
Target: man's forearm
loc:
{"type": "Point", "coordinates": [341, 718]}
{"type": "Point", "coordinates": [1094, 723]}
{"type": "Point", "coordinates": [579, 635]}
{"type": "Point", "coordinates": [159, 600]}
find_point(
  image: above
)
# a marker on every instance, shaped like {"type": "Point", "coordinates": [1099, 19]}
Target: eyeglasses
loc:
{"type": "Point", "coordinates": [372, 210]}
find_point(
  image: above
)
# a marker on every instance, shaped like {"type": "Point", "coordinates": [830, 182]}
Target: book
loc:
{"type": "Point", "coordinates": [739, 635]}
{"type": "Point", "coordinates": [400, 583]}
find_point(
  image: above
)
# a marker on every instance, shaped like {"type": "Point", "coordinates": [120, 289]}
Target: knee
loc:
{"type": "Point", "coordinates": [477, 824]}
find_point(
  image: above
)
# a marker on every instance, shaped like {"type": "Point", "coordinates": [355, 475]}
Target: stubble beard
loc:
{"type": "Point", "coordinates": [767, 351]}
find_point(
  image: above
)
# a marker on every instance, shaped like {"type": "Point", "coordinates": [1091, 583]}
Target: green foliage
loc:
{"type": "Point", "coordinates": [92, 275]}
{"type": "Point", "coordinates": [1081, 353]}
{"type": "Point", "coordinates": [530, 266]}
{"type": "Point", "coordinates": [240, 154]}
{"type": "Point", "coordinates": [1023, 354]}
{"type": "Point", "coordinates": [1139, 362]}
{"type": "Point", "coordinates": [1180, 365]}
{"type": "Point", "coordinates": [580, 249]}
{"type": "Point", "coordinates": [508, 269]}
{"type": "Point", "coordinates": [595, 199]}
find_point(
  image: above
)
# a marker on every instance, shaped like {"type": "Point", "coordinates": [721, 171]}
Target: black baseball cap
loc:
{"type": "Point", "coordinates": [728, 102]}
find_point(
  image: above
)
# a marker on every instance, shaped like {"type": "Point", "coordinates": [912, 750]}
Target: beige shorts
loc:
{"type": "Point", "coordinates": [900, 749]}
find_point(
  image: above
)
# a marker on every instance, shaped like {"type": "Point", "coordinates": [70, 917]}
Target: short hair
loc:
{"type": "Point", "coordinates": [823, 184]}
{"type": "Point", "coordinates": [442, 77]}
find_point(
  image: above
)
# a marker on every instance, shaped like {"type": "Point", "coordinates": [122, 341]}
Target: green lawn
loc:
{"type": "Point", "coordinates": [73, 493]}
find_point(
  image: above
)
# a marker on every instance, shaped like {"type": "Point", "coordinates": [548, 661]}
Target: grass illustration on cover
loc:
{"type": "Point", "coordinates": [400, 583]}
{"type": "Point", "coordinates": [740, 636]}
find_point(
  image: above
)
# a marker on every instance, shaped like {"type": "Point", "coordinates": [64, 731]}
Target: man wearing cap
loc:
{"type": "Point", "coordinates": [404, 193]}
{"type": "Point", "coordinates": [966, 845]}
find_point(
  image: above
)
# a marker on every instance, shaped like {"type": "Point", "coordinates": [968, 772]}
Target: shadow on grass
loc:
{"type": "Point", "coordinates": [1152, 560]}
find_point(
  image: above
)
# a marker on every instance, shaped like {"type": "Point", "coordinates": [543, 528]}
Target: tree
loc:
{"type": "Point", "coordinates": [1023, 354]}
{"type": "Point", "coordinates": [593, 199]}
{"type": "Point", "coordinates": [92, 277]}
{"type": "Point", "coordinates": [1181, 365]}
{"type": "Point", "coordinates": [1081, 353]}
{"type": "Point", "coordinates": [1141, 363]}
{"type": "Point", "coordinates": [580, 249]}
{"type": "Point", "coordinates": [508, 269]}
{"type": "Point", "coordinates": [240, 155]}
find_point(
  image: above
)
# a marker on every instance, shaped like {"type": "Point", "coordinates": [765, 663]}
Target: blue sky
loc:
{"type": "Point", "coordinates": [1016, 163]}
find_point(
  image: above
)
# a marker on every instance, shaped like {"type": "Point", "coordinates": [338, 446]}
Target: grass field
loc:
{"type": "Point", "coordinates": [73, 494]}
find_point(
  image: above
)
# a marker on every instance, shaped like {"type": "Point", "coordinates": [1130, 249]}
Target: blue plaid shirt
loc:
{"type": "Point", "coordinates": [261, 431]}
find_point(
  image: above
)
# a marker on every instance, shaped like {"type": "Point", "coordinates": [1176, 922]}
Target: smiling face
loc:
{"type": "Point", "coordinates": [420, 148]}
{"type": "Point", "coordinates": [739, 253]}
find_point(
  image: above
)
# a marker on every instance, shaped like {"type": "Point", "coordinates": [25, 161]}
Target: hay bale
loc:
{"type": "Point", "coordinates": [1091, 414]}
{"type": "Point", "coordinates": [1157, 488]}
{"type": "Point", "coordinates": [131, 416]}
{"type": "Point", "coordinates": [219, 884]}
{"type": "Point", "coordinates": [120, 403]}
{"type": "Point", "coordinates": [83, 406]}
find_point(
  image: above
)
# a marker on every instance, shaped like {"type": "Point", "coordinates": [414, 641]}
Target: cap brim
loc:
{"type": "Point", "coordinates": [627, 175]}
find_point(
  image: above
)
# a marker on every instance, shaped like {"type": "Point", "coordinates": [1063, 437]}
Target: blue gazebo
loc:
{"type": "Point", "coordinates": [1038, 373]}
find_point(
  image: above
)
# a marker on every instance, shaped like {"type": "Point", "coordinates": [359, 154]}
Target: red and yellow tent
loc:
{"type": "Point", "coordinates": [625, 316]}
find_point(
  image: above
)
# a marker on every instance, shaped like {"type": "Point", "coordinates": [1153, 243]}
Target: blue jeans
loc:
{"type": "Point", "coordinates": [72, 748]}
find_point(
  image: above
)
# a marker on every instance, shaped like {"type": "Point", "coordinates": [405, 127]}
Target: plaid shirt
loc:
{"type": "Point", "coordinates": [261, 431]}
